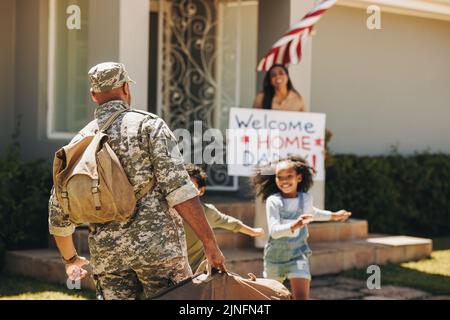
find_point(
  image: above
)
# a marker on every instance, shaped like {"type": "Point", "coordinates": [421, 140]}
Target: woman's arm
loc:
{"type": "Point", "coordinates": [298, 101]}
{"type": "Point", "coordinates": [258, 103]}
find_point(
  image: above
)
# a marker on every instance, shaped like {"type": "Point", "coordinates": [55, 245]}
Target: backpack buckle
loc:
{"type": "Point", "coordinates": [94, 190]}
{"type": "Point", "coordinates": [65, 194]}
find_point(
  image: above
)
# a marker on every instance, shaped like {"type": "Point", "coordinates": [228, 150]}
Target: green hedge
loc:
{"type": "Point", "coordinates": [2, 255]}
{"type": "Point", "coordinates": [396, 194]}
{"type": "Point", "coordinates": [24, 193]}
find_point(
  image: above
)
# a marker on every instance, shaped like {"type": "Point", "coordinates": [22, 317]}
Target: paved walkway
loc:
{"type": "Point", "coordinates": [342, 288]}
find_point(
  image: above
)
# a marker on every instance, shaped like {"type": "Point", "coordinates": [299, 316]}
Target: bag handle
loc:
{"type": "Point", "coordinates": [205, 266]}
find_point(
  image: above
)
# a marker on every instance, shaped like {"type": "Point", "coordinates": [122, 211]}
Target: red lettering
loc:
{"type": "Point", "coordinates": [306, 143]}
{"type": "Point", "coordinates": [281, 142]}
{"type": "Point", "coordinates": [295, 140]}
{"type": "Point", "coordinates": [264, 142]}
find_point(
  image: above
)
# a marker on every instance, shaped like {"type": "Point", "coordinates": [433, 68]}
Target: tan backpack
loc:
{"type": "Point", "coordinates": [90, 183]}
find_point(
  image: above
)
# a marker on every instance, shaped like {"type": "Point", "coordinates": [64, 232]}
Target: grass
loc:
{"type": "Point", "coordinates": [21, 288]}
{"type": "Point", "coordinates": [431, 275]}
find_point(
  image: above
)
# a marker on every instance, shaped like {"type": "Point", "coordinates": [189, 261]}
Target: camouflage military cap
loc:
{"type": "Point", "coordinates": [107, 76]}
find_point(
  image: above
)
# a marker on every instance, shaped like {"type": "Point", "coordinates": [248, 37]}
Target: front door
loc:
{"type": "Point", "coordinates": [205, 64]}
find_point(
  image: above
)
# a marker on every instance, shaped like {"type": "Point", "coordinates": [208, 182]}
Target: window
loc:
{"type": "Point", "coordinates": [68, 85]}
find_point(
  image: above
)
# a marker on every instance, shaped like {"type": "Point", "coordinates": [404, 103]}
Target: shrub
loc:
{"type": "Point", "coordinates": [396, 194]}
{"type": "Point", "coordinates": [24, 193]}
{"type": "Point", "coordinates": [2, 255]}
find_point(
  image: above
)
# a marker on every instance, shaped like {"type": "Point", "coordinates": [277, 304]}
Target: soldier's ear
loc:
{"type": "Point", "coordinates": [126, 89]}
{"type": "Point", "coordinates": [94, 97]}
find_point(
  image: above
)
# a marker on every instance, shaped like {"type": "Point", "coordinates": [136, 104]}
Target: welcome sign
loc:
{"type": "Point", "coordinates": [256, 137]}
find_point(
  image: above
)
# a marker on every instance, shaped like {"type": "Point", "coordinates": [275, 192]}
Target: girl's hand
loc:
{"type": "Point", "coordinates": [257, 232]}
{"type": "Point", "coordinates": [302, 221]}
{"type": "Point", "coordinates": [341, 215]}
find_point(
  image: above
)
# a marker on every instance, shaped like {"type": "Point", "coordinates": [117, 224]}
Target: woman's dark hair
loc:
{"type": "Point", "coordinates": [265, 182]}
{"type": "Point", "coordinates": [197, 173]}
{"type": "Point", "coordinates": [269, 90]}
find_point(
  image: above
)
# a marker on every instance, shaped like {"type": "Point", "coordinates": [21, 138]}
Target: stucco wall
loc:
{"type": "Point", "coordinates": [383, 87]}
{"type": "Point", "coordinates": [273, 20]}
{"type": "Point", "coordinates": [7, 27]}
{"type": "Point", "coordinates": [31, 72]}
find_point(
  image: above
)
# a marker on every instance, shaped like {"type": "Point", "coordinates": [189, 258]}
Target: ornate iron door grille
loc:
{"type": "Point", "coordinates": [192, 47]}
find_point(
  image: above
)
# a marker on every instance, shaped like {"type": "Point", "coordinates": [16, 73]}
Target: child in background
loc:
{"type": "Point", "coordinates": [215, 218]}
{"type": "Point", "coordinates": [289, 210]}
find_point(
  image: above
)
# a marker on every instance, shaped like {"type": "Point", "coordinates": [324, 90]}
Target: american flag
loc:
{"type": "Point", "coordinates": [288, 49]}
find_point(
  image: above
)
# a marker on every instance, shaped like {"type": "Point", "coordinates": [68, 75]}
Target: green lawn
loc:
{"type": "Point", "coordinates": [431, 275]}
{"type": "Point", "coordinates": [20, 288]}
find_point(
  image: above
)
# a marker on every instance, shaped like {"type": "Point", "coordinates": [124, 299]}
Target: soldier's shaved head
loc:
{"type": "Point", "coordinates": [121, 93]}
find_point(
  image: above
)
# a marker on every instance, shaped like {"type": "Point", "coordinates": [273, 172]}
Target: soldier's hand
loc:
{"type": "Point", "coordinates": [215, 258]}
{"type": "Point", "coordinates": [75, 271]}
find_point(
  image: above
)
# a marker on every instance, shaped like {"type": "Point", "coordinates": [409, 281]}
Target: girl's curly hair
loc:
{"type": "Point", "coordinates": [197, 173]}
{"type": "Point", "coordinates": [265, 183]}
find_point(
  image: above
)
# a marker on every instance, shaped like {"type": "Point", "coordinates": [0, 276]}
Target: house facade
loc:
{"type": "Point", "coordinates": [195, 59]}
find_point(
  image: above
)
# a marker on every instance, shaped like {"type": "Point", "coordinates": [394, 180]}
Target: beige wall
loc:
{"type": "Point", "coordinates": [7, 27]}
{"type": "Point", "coordinates": [273, 20]}
{"type": "Point", "coordinates": [384, 87]}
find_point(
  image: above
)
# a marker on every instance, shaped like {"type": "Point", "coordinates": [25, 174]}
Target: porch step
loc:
{"type": "Point", "coordinates": [332, 258]}
{"type": "Point", "coordinates": [353, 229]}
{"type": "Point", "coordinates": [242, 210]}
{"type": "Point", "coordinates": [327, 258]}
{"type": "Point", "coordinates": [318, 232]}
{"type": "Point", "coordinates": [42, 264]}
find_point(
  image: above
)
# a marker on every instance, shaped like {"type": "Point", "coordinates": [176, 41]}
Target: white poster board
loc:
{"type": "Point", "coordinates": [257, 136]}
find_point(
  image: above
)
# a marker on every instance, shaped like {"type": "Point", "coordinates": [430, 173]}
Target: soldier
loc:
{"type": "Point", "coordinates": [148, 252]}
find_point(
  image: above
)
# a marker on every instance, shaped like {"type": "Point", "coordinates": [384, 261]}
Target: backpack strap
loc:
{"type": "Point", "coordinates": [145, 189]}
{"type": "Point", "coordinates": [111, 120]}
{"type": "Point", "coordinates": [105, 127]}
{"type": "Point", "coordinates": [151, 183]}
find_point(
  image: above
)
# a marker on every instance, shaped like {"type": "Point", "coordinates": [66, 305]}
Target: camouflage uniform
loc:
{"type": "Point", "coordinates": [148, 252]}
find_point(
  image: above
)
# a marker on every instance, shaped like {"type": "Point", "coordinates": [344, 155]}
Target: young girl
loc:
{"type": "Point", "coordinates": [289, 210]}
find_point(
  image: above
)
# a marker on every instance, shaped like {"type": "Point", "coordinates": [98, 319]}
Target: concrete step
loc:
{"type": "Point", "coordinates": [244, 211]}
{"type": "Point", "coordinates": [353, 229]}
{"type": "Point", "coordinates": [318, 232]}
{"type": "Point", "coordinates": [335, 257]}
{"type": "Point", "coordinates": [327, 257]}
{"type": "Point", "coordinates": [42, 264]}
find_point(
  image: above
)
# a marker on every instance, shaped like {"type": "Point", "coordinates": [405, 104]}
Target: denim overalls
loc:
{"type": "Point", "coordinates": [287, 257]}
